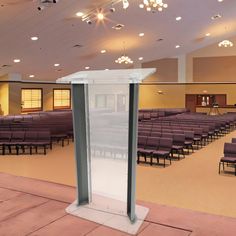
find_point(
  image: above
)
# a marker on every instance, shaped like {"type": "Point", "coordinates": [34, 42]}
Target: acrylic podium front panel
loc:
{"type": "Point", "coordinates": [108, 122]}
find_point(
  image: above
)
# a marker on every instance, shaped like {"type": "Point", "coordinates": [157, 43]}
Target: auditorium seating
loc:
{"type": "Point", "coordinates": [152, 114]}
{"type": "Point", "coordinates": [34, 131]}
{"type": "Point", "coordinates": [24, 140]}
{"type": "Point", "coordinates": [154, 148]}
{"type": "Point", "coordinates": [187, 130]}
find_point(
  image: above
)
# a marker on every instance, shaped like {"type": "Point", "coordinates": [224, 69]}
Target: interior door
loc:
{"type": "Point", "coordinates": [190, 102]}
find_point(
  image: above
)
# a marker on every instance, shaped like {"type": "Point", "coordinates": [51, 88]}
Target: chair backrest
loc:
{"type": "Point", "coordinates": [156, 129]}
{"type": "Point", "coordinates": [179, 139]}
{"type": "Point", "coordinates": [5, 136]}
{"type": "Point", "coordinates": [30, 136]}
{"type": "Point", "coordinates": [43, 136]}
{"type": "Point", "coordinates": [156, 134]}
{"type": "Point", "coordinates": [165, 144]}
{"type": "Point", "coordinates": [154, 115]}
{"type": "Point", "coordinates": [147, 116]}
{"type": "Point", "coordinates": [152, 143]}
{"type": "Point", "coordinates": [189, 134]}
{"type": "Point", "coordinates": [167, 135]}
{"type": "Point", "coordinates": [143, 133]}
{"type": "Point", "coordinates": [233, 140]}
{"type": "Point", "coordinates": [230, 150]}
{"type": "Point", "coordinates": [17, 136]}
{"type": "Point", "coordinates": [142, 141]}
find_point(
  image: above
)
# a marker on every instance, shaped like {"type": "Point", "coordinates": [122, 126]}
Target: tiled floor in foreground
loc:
{"type": "Point", "coordinates": [33, 207]}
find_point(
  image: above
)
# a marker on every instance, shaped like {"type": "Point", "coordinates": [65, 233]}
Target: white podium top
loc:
{"type": "Point", "coordinates": [127, 76]}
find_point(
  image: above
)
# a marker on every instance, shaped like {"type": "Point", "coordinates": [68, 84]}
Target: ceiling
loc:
{"type": "Point", "coordinates": [59, 30]}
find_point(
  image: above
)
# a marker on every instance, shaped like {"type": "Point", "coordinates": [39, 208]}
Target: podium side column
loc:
{"type": "Point", "coordinates": [132, 150]}
{"type": "Point", "coordinates": [80, 113]}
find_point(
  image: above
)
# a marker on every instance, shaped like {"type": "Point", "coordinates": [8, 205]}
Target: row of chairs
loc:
{"type": "Point", "coordinates": [188, 136]}
{"type": "Point", "coordinates": [154, 148]}
{"type": "Point", "coordinates": [152, 114]}
{"type": "Point", "coordinates": [21, 140]}
{"type": "Point", "coordinates": [229, 157]}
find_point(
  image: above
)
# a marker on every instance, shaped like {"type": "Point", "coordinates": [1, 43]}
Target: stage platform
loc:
{"type": "Point", "coordinates": [34, 207]}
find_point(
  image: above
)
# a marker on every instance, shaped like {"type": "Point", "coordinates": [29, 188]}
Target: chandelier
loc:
{"type": "Point", "coordinates": [153, 5]}
{"type": "Point", "coordinates": [124, 59]}
{"type": "Point", "coordinates": [226, 44]}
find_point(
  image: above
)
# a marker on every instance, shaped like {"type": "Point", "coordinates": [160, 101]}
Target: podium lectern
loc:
{"type": "Point", "coordinates": [105, 111]}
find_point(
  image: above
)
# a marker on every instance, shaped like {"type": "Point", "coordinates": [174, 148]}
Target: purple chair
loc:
{"type": "Point", "coordinates": [178, 145]}
{"type": "Point", "coordinates": [151, 145]}
{"type": "Point", "coordinates": [189, 136]}
{"type": "Point", "coordinates": [233, 140]}
{"type": "Point", "coordinates": [229, 156]}
{"type": "Point", "coordinates": [16, 137]}
{"type": "Point", "coordinates": [43, 140]}
{"type": "Point", "coordinates": [5, 137]}
{"type": "Point", "coordinates": [164, 150]}
{"type": "Point", "coordinates": [30, 137]}
{"type": "Point", "coordinates": [142, 141]}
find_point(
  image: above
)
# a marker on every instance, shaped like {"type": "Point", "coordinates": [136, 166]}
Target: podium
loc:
{"type": "Point", "coordinates": [105, 111]}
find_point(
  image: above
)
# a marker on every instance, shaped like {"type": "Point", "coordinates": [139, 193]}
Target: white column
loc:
{"type": "Point", "coordinates": [182, 69]}
{"type": "Point", "coordinates": [185, 69]}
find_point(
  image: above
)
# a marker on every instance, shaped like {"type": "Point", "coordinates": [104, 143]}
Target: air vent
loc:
{"type": "Point", "coordinates": [5, 65]}
{"type": "Point", "coordinates": [77, 46]}
{"type": "Point", "coordinates": [118, 27]}
{"type": "Point", "coordinates": [216, 17]}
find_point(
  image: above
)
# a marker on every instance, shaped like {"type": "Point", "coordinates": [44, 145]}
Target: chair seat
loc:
{"type": "Point", "coordinates": [12, 143]}
{"type": "Point", "coordinates": [41, 143]}
{"type": "Point", "coordinates": [177, 147]}
{"type": "Point", "coordinates": [197, 139]}
{"type": "Point", "coordinates": [24, 143]}
{"type": "Point", "coordinates": [161, 153]}
{"type": "Point", "coordinates": [58, 135]}
{"type": "Point", "coordinates": [188, 142]}
{"type": "Point", "coordinates": [145, 151]}
{"type": "Point", "coordinates": [228, 159]}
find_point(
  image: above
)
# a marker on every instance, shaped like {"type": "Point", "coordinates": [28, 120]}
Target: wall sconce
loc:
{"type": "Point", "coordinates": [160, 92]}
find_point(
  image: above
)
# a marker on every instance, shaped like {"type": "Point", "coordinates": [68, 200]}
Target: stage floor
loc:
{"type": "Point", "coordinates": [35, 207]}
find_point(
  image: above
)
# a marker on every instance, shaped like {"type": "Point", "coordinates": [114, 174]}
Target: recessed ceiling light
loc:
{"type": "Point", "coordinates": [208, 34]}
{"type": "Point", "coordinates": [141, 34]}
{"type": "Point", "coordinates": [177, 46]}
{"type": "Point", "coordinates": [31, 76]}
{"type": "Point", "coordinates": [215, 17]}
{"type": "Point", "coordinates": [87, 68]}
{"type": "Point", "coordinates": [100, 16]}
{"type": "Point", "coordinates": [79, 14]}
{"type": "Point", "coordinates": [220, 0]}
{"type": "Point", "coordinates": [141, 6]}
{"type": "Point", "coordinates": [34, 38]}
{"type": "Point", "coordinates": [106, 69]}
{"type": "Point", "coordinates": [178, 18]}
{"type": "Point", "coordinates": [103, 51]}
{"type": "Point", "coordinates": [140, 58]}
{"type": "Point", "coordinates": [56, 64]}
{"type": "Point", "coordinates": [16, 60]}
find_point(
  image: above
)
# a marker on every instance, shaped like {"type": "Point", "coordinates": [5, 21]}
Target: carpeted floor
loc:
{"type": "Point", "coordinates": [191, 183]}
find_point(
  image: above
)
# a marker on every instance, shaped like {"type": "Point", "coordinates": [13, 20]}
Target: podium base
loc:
{"type": "Point", "coordinates": [115, 217]}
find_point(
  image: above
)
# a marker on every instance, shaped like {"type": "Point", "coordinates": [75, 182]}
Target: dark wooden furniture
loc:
{"type": "Point", "coordinates": [192, 101]}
